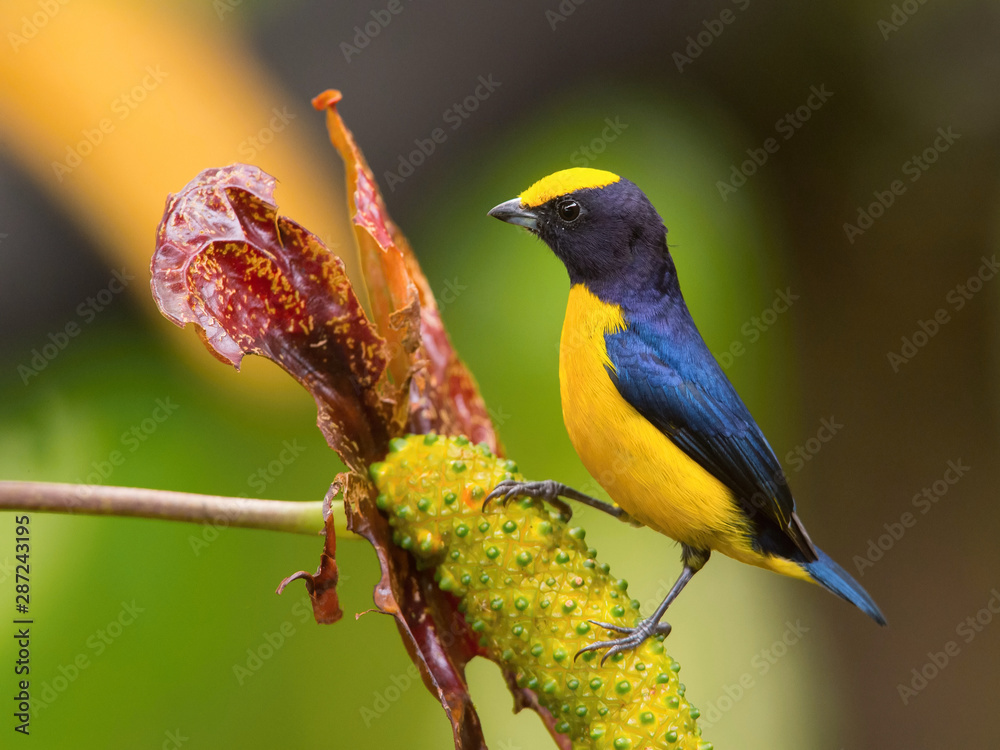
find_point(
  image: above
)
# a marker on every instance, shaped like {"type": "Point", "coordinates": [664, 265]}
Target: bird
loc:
{"type": "Point", "coordinates": [650, 412]}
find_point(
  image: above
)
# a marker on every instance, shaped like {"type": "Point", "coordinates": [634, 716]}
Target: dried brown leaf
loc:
{"type": "Point", "coordinates": [254, 282]}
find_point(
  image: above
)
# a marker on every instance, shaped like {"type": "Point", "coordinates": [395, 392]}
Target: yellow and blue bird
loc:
{"type": "Point", "coordinates": [651, 414]}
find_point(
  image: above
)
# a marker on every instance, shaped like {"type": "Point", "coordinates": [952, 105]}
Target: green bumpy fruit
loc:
{"type": "Point", "coordinates": [527, 584]}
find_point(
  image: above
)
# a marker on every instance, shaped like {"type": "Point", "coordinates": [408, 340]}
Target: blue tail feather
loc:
{"type": "Point", "coordinates": [833, 577]}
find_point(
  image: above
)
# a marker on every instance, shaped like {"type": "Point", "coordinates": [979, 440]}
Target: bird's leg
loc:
{"type": "Point", "coordinates": [694, 560]}
{"type": "Point", "coordinates": [550, 491]}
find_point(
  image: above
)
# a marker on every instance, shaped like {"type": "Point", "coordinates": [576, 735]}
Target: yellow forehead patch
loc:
{"type": "Point", "coordinates": [566, 181]}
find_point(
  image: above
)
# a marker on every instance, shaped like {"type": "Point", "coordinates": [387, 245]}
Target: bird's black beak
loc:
{"type": "Point", "coordinates": [514, 213]}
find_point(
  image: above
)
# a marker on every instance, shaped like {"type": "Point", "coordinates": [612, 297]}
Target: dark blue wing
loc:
{"type": "Point", "coordinates": [669, 376]}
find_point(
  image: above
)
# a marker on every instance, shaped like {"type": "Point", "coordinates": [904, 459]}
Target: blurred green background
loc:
{"type": "Point", "coordinates": [235, 83]}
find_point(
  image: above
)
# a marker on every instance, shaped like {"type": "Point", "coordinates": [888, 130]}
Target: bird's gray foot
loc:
{"type": "Point", "coordinates": [549, 491]}
{"type": "Point", "coordinates": [634, 637]}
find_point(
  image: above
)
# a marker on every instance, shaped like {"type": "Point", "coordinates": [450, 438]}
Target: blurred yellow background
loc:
{"type": "Point", "coordinates": [841, 157]}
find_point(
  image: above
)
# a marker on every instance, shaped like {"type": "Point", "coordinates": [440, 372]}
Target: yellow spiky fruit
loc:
{"type": "Point", "coordinates": [527, 584]}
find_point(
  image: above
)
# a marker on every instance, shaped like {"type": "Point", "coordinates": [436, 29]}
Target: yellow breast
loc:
{"type": "Point", "coordinates": [639, 466]}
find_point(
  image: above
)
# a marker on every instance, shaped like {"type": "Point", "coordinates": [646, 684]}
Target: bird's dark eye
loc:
{"type": "Point", "coordinates": [569, 210]}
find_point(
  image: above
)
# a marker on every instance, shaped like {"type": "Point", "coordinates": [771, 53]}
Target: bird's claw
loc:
{"type": "Point", "coordinates": [510, 489]}
{"type": "Point", "coordinates": [634, 637]}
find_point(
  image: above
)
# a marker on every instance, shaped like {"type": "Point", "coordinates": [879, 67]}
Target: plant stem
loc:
{"type": "Point", "coordinates": [98, 500]}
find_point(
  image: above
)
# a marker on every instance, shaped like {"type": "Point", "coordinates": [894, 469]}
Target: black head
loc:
{"type": "Point", "coordinates": [600, 225]}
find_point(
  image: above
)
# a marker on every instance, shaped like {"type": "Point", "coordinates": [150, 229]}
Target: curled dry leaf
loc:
{"type": "Point", "coordinates": [258, 283]}
{"type": "Point", "coordinates": [443, 396]}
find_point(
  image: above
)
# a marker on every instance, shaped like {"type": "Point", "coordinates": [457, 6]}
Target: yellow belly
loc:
{"type": "Point", "coordinates": [644, 472]}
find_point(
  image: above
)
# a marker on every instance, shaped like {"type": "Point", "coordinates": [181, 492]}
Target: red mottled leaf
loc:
{"type": "Point", "coordinates": [254, 282]}
{"type": "Point", "coordinates": [443, 396]}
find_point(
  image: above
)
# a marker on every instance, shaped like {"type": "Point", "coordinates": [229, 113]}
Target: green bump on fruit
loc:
{"type": "Point", "coordinates": [525, 555]}
{"type": "Point", "coordinates": [377, 470]}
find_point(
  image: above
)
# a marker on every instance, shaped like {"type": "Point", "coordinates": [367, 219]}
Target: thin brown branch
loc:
{"type": "Point", "coordinates": [98, 500]}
